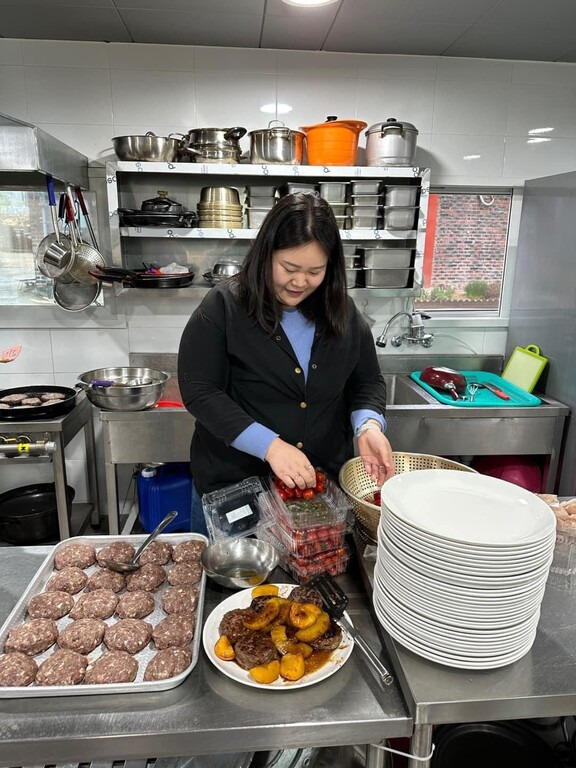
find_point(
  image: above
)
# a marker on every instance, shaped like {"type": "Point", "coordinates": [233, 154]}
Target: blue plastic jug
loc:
{"type": "Point", "coordinates": [162, 489]}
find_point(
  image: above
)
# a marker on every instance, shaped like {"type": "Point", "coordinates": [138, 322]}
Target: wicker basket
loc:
{"type": "Point", "coordinates": [358, 485]}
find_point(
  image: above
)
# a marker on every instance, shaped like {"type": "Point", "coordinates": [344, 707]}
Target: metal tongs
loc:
{"type": "Point", "coordinates": [336, 602]}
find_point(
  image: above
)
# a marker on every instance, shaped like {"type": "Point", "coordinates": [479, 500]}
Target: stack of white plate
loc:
{"type": "Point", "coordinates": [461, 567]}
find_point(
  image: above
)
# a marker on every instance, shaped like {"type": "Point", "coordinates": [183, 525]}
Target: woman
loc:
{"type": "Point", "coordinates": [278, 366]}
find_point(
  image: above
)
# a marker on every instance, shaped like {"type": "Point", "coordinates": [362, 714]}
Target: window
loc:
{"type": "Point", "coordinates": [24, 221]}
{"type": "Point", "coordinates": [465, 250]}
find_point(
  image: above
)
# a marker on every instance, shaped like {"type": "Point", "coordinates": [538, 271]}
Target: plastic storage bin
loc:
{"type": "Point", "coordinates": [163, 489]}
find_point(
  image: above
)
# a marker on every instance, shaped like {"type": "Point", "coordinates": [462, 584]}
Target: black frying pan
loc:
{"type": "Point", "coordinates": [43, 411]}
{"type": "Point", "coordinates": [141, 279]}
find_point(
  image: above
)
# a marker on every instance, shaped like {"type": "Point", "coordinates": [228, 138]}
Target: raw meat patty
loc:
{"type": "Point", "coordinates": [31, 401]}
{"type": "Point", "coordinates": [17, 669]}
{"type": "Point", "coordinates": [50, 605]}
{"type": "Point", "coordinates": [135, 605]}
{"type": "Point", "coordinates": [168, 663]}
{"type": "Point", "coordinates": [4, 406]}
{"type": "Point", "coordinates": [47, 396]}
{"type": "Point", "coordinates": [307, 595]}
{"type": "Point", "coordinates": [232, 624]}
{"type": "Point", "coordinates": [82, 635]}
{"type": "Point", "coordinates": [70, 579]}
{"type": "Point", "coordinates": [176, 631]}
{"type": "Point", "coordinates": [80, 555]}
{"type": "Point", "coordinates": [184, 573]}
{"type": "Point", "coordinates": [14, 399]}
{"type": "Point", "coordinates": [254, 649]}
{"type": "Point", "coordinates": [119, 551]}
{"type": "Point", "coordinates": [63, 667]}
{"type": "Point", "coordinates": [330, 640]}
{"type": "Point", "coordinates": [100, 604]}
{"type": "Point", "coordinates": [180, 600]}
{"type": "Point", "coordinates": [159, 552]}
{"type": "Point", "coordinates": [128, 635]}
{"type": "Point", "coordinates": [32, 637]}
{"type": "Point", "coordinates": [105, 579]}
{"type": "Point", "coordinates": [148, 578]}
{"type": "Point", "coordinates": [112, 667]}
{"type": "Point", "coordinates": [188, 551]}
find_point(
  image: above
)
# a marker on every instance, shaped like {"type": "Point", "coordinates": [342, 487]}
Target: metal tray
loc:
{"type": "Point", "coordinates": [46, 570]}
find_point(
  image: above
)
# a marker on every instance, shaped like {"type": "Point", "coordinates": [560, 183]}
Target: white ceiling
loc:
{"type": "Point", "coordinates": [538, 30]}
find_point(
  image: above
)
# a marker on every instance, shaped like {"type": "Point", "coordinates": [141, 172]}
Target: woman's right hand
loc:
{"type": "Point", "coordinates": [290, 464]}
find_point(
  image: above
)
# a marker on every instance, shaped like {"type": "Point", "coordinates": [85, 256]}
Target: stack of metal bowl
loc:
{"type": "Point", "coordinates": [220, 208]}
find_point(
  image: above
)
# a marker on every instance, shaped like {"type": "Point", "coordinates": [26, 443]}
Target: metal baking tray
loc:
{"type": "Point", "coordinates": [36, 586]}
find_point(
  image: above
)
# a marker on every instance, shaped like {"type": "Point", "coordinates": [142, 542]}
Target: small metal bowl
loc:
{"type": "Point", "coordinates": [239, 563]}
{"type": "Point", "coordinates": [226, 268]}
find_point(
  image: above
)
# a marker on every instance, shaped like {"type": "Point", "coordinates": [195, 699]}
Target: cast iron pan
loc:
{"type": "Point", "coordinates": [43, 411]}
{"type": "Point", "coordinates": [141, 279]}
{"type": "Point", "coordinates": [477, 745]}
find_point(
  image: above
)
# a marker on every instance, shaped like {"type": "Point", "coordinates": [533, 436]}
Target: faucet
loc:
{"type": "Point", "coordinates": [416, 333]}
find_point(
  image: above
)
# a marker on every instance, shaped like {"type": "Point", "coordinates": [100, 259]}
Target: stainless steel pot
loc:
{"type": "Point", "coordinates": [391, 143]}
{"type": "Point", "coordinates": [123, 389]}
{"type": "Point", "coordinates": [149, 148]}
{"type": "Point", "coordinates": [214, 145]}
{"type": "Point", "coordinates": [277, 144]}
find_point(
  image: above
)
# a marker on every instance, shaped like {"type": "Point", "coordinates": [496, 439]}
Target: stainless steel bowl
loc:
{"type": "Point", "coordinates": [240, 562]}
{"type": "Point", "coordinates": [123, 389]}
{"type": "Point", "coordinates": [148, 148]}
{"type": "Point", "coordinates": [226, 268]}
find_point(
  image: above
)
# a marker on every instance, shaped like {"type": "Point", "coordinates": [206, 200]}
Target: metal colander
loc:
{"type": "Point", "coordinates": [358, 485]}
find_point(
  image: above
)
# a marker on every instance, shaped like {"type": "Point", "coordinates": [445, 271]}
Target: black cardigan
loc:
{"type": "Point", "coordinates": [232, 373]}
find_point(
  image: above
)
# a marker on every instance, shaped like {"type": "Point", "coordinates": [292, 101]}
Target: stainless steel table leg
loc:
{"type": "Point", "coordinates": [112, 498]}
{"type": "Point", "coordinates": [420, 745]}
{"type": "Point", "coordinates": [376, 758]}
{"type": "Point", "coordinates": [94, 496]}
{"type": "Point", "coordinates": [60, 486]}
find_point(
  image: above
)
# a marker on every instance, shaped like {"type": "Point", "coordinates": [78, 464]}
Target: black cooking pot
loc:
{"type": "Point", "coordinates": [43, 411]}
{"type": "Point", "coordinates": [29, 514]}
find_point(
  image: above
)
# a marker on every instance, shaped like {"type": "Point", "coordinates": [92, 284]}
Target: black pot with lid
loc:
{"type": "Point", "coordinates": [163, 204]}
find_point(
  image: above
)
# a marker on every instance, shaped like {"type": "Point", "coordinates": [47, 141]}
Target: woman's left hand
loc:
{"type": "Point", "coordinates": [376, 452]}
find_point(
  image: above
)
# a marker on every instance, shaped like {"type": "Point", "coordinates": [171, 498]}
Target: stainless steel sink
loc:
{"type": "Point", "coordinates": [401, 390]}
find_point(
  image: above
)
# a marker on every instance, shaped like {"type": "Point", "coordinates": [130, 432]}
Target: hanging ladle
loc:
{"type": "Point", "coordinates": [133, 564]}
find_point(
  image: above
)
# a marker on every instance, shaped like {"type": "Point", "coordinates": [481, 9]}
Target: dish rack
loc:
{"type": "Point", "coordinates": [358, 485]}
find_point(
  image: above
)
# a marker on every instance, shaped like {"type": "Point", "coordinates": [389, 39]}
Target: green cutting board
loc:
{"type": "Point", "coordinates": [524, 367]}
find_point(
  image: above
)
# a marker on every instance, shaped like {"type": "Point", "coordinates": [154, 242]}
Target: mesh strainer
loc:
{"type": "Point", "coordinates": [73, 296]}
{"type": "Point", "coordinates": [359, 486]}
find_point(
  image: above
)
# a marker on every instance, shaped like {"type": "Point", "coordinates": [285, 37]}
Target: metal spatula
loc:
{"type": "Point", "coordinates": [336, 602]}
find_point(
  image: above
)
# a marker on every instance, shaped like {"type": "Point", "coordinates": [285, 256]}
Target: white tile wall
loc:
{"type": "Point", "coordinates": [85, 93]}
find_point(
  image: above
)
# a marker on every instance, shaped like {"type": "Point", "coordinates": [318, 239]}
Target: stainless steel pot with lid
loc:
{"type": "Point", "coordinates": [214, 145]}
{"type": "Point", "coordinates": [277, 144]}
{"type": "Point", "coordinates": [392, 142]}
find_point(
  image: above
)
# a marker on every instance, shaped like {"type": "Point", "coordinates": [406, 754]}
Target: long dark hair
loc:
{"type": "Point", "coordinates": [295, 220]}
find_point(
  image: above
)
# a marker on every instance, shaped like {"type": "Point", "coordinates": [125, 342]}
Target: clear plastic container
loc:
{"type": "Point", "coordinates": [329, 508]}
{"type": "Point", "coordinates": [237, 510]}
{"type": "Point", "coordinates": [305, 568]}
{"type": "Point", "coordinates": [563, 568]}
{"type": "Point", "coordinates": [308, 542]}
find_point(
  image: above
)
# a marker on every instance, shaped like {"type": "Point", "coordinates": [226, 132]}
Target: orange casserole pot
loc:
{"type": "Point", "coordinates": [334, 142]}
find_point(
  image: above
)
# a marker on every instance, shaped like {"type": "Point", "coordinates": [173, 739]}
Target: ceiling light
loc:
{"type": "Point", "coordinates": [471, 157]}
{"type": "Point", "coordinates": [539, 140]}
{"type": "Point", "coordinates": [536, 131]}
{"type": "Point", "coordinates": [276, 109]}
{"type": "Point", "coordinates": [309, 3]}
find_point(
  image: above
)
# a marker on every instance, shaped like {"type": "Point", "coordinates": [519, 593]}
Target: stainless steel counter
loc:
{"type": "Point", "coordinates": [61, 430]}
{"type": "Point", "coordinates": [541, 684]}
{"type": "Point", "coordinates": [208, 713]}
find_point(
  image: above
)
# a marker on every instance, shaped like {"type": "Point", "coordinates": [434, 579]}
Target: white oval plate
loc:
{"type": "Point", "coordinates": [243, 599]}
{"type": "Point", "coordinates": [472, 509]}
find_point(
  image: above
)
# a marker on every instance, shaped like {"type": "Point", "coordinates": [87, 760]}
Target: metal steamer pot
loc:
{"type": "Point", "coordinates": [277, 144]}
{"type": "Point", "coordinates": [214, 145]}
{"type": "Point", "coordinates": [391, 143]}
